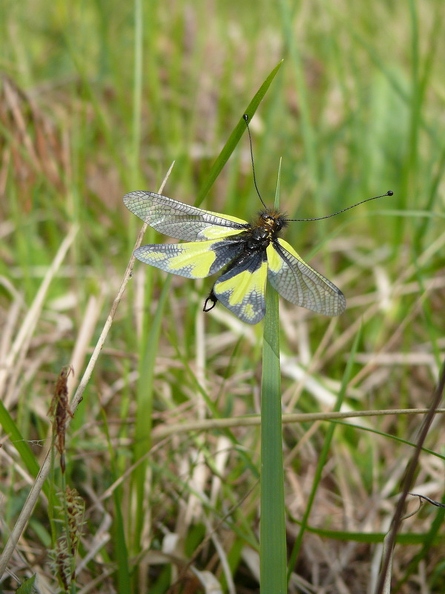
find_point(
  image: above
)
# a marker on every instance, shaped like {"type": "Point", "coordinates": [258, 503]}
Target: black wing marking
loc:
{"type": "Point", "coordinates": [242, 288]}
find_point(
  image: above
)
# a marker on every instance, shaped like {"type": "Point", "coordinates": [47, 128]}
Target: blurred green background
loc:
{"type": "Point", "coordinates": [97, 99]}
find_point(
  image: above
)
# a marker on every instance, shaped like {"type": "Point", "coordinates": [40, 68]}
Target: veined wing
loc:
{"type": "Point", "coordinates": [196, 259]}
{"type": "Point", "coordinates": [242, 288]}
{"type": "Point", "coordinates": [300, 284]}
{"type": "Point", "coordinates": [180, 220]}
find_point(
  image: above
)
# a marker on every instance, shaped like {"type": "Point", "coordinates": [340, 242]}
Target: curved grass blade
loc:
{"type": "Point", "coordinates": [234, 138]}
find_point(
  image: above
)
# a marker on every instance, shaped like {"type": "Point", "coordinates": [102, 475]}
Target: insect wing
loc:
{"type": "Point", "coordinates": [242, 288]}
{"type": "Point", "coordinates": [196, 259]}
{"type": "Point", "coordinates": [300, 284]}
{"type": "Point", "coordinates": [180, 220]}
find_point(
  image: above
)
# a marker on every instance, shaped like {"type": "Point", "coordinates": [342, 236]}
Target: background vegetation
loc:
{"type": "Point", "coordinates": [97, 99]}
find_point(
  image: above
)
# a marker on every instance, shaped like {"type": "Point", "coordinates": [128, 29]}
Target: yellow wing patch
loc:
{"type": "Point", "coordinates": [215, 232]}
{"type": "Point", "coordinates": [242, 290]}
{"type": "Point", "coordinates": [192, 260]}
{"type": "Point", "coordinates": [196, 259]}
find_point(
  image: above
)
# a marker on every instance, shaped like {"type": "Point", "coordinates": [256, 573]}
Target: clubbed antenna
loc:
{"type": "Point", "coordinates": [334, 214]}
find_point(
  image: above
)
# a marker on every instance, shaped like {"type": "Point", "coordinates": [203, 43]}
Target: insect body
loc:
{"type": "Point", "coordinates": [250, 254]}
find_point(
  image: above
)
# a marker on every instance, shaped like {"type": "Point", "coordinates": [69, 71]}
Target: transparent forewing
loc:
{"type": "Point", "coordinates": [180, 220]}
{"type": "Point", "coordinates": [196, 259]}
{"type": "Point", "coordinates": [242, 288]}
{"type": "Point", "coordinates": [300, 284]}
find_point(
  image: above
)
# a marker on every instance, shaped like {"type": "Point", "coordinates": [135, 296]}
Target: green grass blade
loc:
{"type": "Point", "coordinates": [144, 396]}
{"type": "Point", "coordinates": [20, 444]}
{"type": "Point", "coordinates": [119, 540]}
{"type": "Point", "coordinates": [234, 138]}
{"type": "Point", "coordinates": [272, 526]}
{"type": "Point", "coordinates": [137, 90]}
